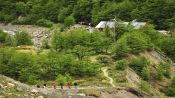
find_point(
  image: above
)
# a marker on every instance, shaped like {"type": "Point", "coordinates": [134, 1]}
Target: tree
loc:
{"type": "Point", "coordinates": [69, 21]}
{"type": "Point", "coordinates": [167, 45]}
{"type": "Point", "coordinates": [81, 51]}
{"type": "Point", "coordinates": [21, 8]}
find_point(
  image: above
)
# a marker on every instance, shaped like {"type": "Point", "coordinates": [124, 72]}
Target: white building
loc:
{"type": "Point", "coordinates": [110, 24]}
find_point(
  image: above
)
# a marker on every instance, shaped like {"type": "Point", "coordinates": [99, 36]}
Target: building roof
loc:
{"type": "Point", "coordinates": [110, 24]}
{"type": "Point", "coordinates": [104, 24]}
{"type": "Point", "coordinates": [137, 25]}
{"type": "Point", "coordinates": [163, 32]}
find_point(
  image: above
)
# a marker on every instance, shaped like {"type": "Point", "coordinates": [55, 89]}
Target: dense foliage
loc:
{"type": "Point", "coordinates": [158, 12]}
{"type": "Point", "coordinates": [33, 68]}
{"type": "Point", "coordinates": [20, 38]}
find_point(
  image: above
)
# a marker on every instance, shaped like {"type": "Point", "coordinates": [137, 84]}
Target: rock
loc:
{"type": "Point", "coordinates": [11, 85]}
{"type": "Point", "coordinates": [40, 97]}
{"type": "Point", "coordinates": [1, 86]}
{"type": "Point", "coordinates": [20, 89]}
{"type": "Point", "coordinates": [34, 91]}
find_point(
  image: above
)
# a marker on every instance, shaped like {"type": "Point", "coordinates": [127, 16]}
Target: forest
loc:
{"type": "Point", "coordinates": [157, 12]}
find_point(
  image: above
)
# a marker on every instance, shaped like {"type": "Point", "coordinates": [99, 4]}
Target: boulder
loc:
{"type": "Point", "coordinates": [34, 91]}
{"type": "Point", "coordinates": [40, 97]}
{"type": "Point", "coordinates": [11, 85]}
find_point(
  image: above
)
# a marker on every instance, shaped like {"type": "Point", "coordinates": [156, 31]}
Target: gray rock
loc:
{"type": "Point", "coordinates": [1, 86]}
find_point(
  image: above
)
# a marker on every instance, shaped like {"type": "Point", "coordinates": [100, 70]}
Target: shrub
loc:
{"type": "Point", "coordinates": [139, 65]}
{"type": "Point", "coordinates": [45, 44]}
{"type": "Point", "coordinates": [104, 59]}
{"type": "Point", "coordinates": [2, 36]}
{"type": "Point", "coordinates": [121, 64]}
{"type": "Point", "coordinates": [44, 23]}
{"type": "Point", "coordinates": [167, 45]}
{"type": "Point", "coordinates": [69, 21]}
{"type": "Point", "coordinates": [163, 69]}
{"type": "Point", "coordinates": [63, 79]}
{"type": "Point", "coordinates": [23, 38]}
{"type": "Point", "coordinates": [145, 73]}
{"type": "Point", "coordinates": [170, 90]}
{"type": "Point", "coordinates": [144, 86]}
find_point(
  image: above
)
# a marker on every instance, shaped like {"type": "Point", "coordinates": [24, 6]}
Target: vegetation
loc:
{"type": "Point", "coordinates": [121, 64]}
{"type": "Point", "coordinates": [69, 50]}
{"type": "Point", "coordinates": [89, 11]}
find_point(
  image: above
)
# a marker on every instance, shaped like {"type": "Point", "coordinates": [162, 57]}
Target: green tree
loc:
{"type": "Point", "coordinates": [69, 21]}
{"type": "Point", "coordinates": [167, 45]}
{"type": "Point", "coordinates": [81, 51]}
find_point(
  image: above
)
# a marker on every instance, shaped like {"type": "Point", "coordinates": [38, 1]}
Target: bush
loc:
{"type": "Point", "coordinates": [69, 21]}
{"type": "Point", "coordinates": [10, 41]}
{"type": "Point", "coordinates": [163, 69]}
{"type": "Point", "coordinates": [44, 23]}
{"type": "Point", "coordinates": [144, 86]}
{"type": "Point", "coordinates": [104, 59]}
{"type": "Point", "coordinates": [170, 90]}
{"type": "Point", "coordinates": [167, 45]}
{"type": "Point", "coordinates": [63, 79]}
{"type": "Point", "coordinates": [121, 64]}
{"type": "Point", "coordinates": [2, 36]}
{"type": "Point", "coordinates": [45, 44]}
{"type": "Point", "coordinates": [139, 65]}
{"type": "Point", "coordinates": [145, 73]}
{"type": "Point", "coordinates": [23, 38]}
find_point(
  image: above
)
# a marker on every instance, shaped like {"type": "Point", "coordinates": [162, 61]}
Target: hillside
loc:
{"type": "Point", "coordinates": [87, 49]}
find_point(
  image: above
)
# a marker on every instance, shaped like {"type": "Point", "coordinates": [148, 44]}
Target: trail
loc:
{"type": "Point", "coordinates": [107, 75]}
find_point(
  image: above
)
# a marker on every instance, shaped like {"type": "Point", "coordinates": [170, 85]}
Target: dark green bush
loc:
{"type": "Point", "coordinates": [140, 65]}
{"type": "Point", "coordinates": [44, 23]}
{"type": "Point", "coordinates": [104, 59]}
{"type": "Point", "coordinates": [23, 38]}
{"type": "Point", "coordinates": [121, 64]}
{"type": "Point", "coordinates": [170, 90]}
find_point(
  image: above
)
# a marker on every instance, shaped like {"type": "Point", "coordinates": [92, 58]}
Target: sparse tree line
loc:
{"type": "Point", "coordinates": [45, 12]}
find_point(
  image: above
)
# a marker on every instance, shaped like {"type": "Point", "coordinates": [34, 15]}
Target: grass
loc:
{"type": "Point", "coordinates": [99, 80]}
{"type": "Point", "coordinates": [91, 92]}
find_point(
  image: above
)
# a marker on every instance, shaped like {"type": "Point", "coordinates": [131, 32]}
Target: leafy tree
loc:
{"type": "Point", "coordinates": [167, 45]}
{"type": "Point", "coordinates": [81, 51]}
{"type": "Point", "coordinates": [21, 8]}
{"type": "Point", "coordinates": [69, 21]}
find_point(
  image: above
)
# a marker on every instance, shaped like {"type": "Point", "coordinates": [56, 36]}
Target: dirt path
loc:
{"type": "Point", "coordinates": [107, 75]}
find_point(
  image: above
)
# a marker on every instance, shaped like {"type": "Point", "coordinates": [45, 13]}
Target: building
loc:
{"type": "Point", "coordinates": [111, 24]}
